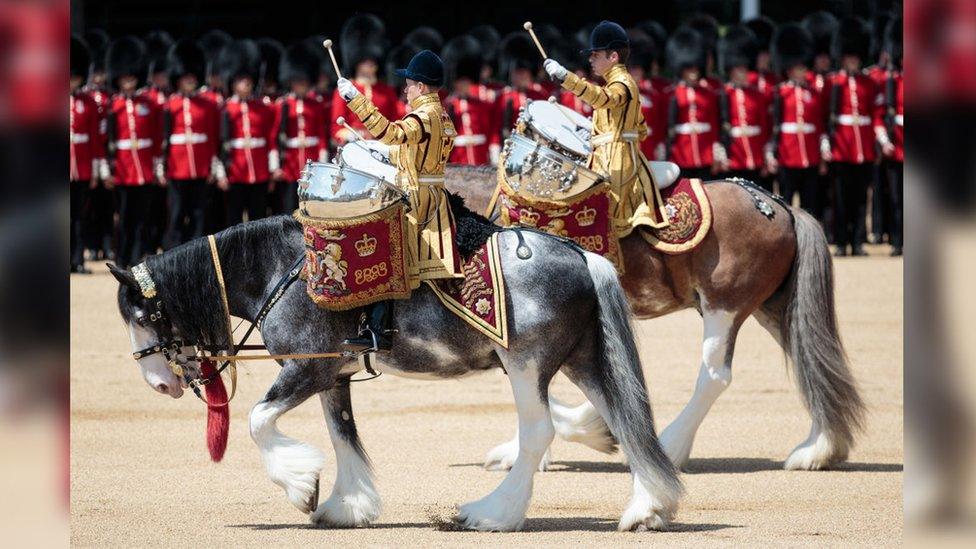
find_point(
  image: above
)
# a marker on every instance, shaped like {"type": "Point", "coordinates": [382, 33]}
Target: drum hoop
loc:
{"type": "Point", "coordinates": [383, 182]}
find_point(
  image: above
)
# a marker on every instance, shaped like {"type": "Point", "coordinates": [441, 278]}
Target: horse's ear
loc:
{"type": "Point", "coordinates": [124, 276]}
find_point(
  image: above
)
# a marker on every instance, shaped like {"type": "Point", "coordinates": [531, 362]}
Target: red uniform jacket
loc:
{"type": "Point", "coordinates": [85, 139]}
{"type": "Point", "coordinates": [248, 134]}
{"type": "Point", "coordinates": [654, 106]}
{"type": "Point", "coordinates": [569, 99]}
{"type": "Point", "coordinates": [193, 136]}
{"type": "Point", "coordinates": [765, 82]}
{"type": "Point", "coordinates": [302, 136]}
{"type": "Point", "coordinates": [214, 95]}
{"type": "Point", "coordinates": [473, 121]}
{"type": "Point", "coordinates": [382, 95]}
{"type": "Point", "coordinates": [855, 102]}
{"type": "Point", "coordinates": [512, 101]}
{"type": "Point", "coordinates": [135, 133]}
{"type": "Point", "coordinates": [799, 113]}
{"type": "Point", "coordinates": [746, 126]}
{"type": "Point", "coordinates": [694, 124]}
{"type": "Point", "coordinates": [891, 118]}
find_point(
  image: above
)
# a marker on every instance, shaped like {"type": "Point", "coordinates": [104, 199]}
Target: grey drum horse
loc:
{"type": "Point", "coordinates": [580, 326]}
{"type": "Point", "coordinates": [776, 268]}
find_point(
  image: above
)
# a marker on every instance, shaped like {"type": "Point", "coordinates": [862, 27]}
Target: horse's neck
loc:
{"type": "Point", "coordinates": [249, 283]}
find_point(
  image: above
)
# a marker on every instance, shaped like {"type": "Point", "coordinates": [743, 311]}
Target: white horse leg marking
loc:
{"type": "Point", "coordinates": [713, 377]}
{"type": "Point", "coordinates": [291, 464]}
{"type": "Point", "coordinates": [503, 510]}
{"type": "Point", "coordinates": [354, 500]}
{"type": "Point", "coordinates": [582, 424]}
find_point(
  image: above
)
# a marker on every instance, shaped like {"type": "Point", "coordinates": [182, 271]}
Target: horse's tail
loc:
{"type": "Point", "coordinates": [622, 383]}
{"type": "Point", "coordinates": [808, 331]}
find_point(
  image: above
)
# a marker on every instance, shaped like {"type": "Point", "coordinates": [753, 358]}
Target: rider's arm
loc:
{"type": "Point", "coordinates": [613, 94]}
{"type": "Point", "coordinates": [407, 130]}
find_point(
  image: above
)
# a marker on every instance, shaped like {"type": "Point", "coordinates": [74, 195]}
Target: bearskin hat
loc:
{"type": "Point", "coordinates": [425, 38]}
{"type": "Point", "coordinates": [125, 56]}
{"type": "Point", "coordinates": [399, 57]}
{"type": "Point", "coordinates": [686, 48]}
{"type": "Point", "coordinates": [739, 47]}
{"type": "Point", "coordinates": [707, 26]}
{"type": "Point", "coordinates": [517, 51]}
{"type": "Point", "coordinates": [239, 59]}
{"type": "Point", "coordinates": [764, 28]}
{"type": "Point", "coordinates": [821, 25]}
{"type": "Point", "coordinates": [80, 57]}
{"type": "Point", "coordinates": [301, 61]}
{"type": "Point", "coordinates": [852, 37]}
{"type": "Point", "coordinates": [642, 49]}
{"type": "Point", "coordinates": [212, 43]}
{"type": "Point", "coordinates": [158, 43]}
{"type": "Point", "coordinates": [658, 35]}
{"type": "Point", "coordinates": [567, 52]}
{"type": "Point", "coordinates": [792, 45]}
{"type": "Point", "coordinates": [462, 58]}
{"type": "Point", "coordinates": [548, 35]}
{"type": "Point", "coordinates": [97, 41]}
{"type": "Point", "coordinates": [893, 40]}
{"type": "Point", "coordinates": [488, 38]}
{"type": "Point", "coordinates": [187, 57]}
{"type": "Point", "coordinates": [879, 25]}
{"type": "Point", "coordinates": [363, 38]}
{"type": "Point", "coordinates": [271, 52]}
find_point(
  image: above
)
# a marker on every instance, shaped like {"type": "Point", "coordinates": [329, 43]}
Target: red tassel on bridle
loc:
{"type": "Point", "coordinates": [218, 411]}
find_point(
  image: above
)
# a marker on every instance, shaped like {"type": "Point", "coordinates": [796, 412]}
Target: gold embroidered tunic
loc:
{"type": "Point", "coordinates": [618, 129]}
{"type": "Point", "coordinates": [420, 144]}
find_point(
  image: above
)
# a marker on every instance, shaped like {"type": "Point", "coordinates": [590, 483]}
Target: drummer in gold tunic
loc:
{"type": "Point", "coordinates": [421, 143]}
{"type": "Point", "coordinates": [618, 129]}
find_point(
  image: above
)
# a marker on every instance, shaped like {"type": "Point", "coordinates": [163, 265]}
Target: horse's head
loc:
{"type": "Point", "coordinates": [147, 329]}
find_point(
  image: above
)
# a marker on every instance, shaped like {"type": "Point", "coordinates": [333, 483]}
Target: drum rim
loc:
{"type": "Point", "coordinates": [536, 128]}
{"type": "Point", "coordinates": [555, 152]}
{"type": "Point", "coordinates": [384, 182]}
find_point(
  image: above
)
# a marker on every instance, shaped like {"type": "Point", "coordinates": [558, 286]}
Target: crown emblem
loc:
{"type": "Point", "coordinates": [365, 246]}
{"type": "Point", "coordinates": [586, 217]}
{"type": "Point", "coordinates": [529, 218]}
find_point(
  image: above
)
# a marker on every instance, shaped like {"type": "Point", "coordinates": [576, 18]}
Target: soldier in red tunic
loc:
{"type": "Point", "coordinates": [799, 144]}
{"type": "Point", "coordinates": [653, 95]}
{"type": "Point", "coordinates": [519, 62]}
{"type": "Point", "coordinates": [247, 133]}
{"type": "Point", "coordinates": [693, 119]}
{"type": "Point", "coordinates": [890, 130]}
{"type": "Point", "coordinates": [471, 115]}
{"type": "Point", "coordinates": [763, 77]}
{"type": "Point", "coordinates": [134, 146]}
{"type": "Point", "coordinates": [269, 88]}
{"type": "Point", "coordinates": [743, 108]}
{"type": "Point", "coordinates": [707, 26]}
{"type": "Point", "coordinates": [213, 42]}
{"type": "Point", "coordinates": [362, 38]}
{"type": "Point", "coordinates": [85, 149]}
{"type": "Point", "coordinates": [301, 123]}
{"type": "Point", "coordinates": [854, 104]}
{"type": "Point", "coordinates": [191, 131]}
{"type": "Point", "coordinates": [100, 219]}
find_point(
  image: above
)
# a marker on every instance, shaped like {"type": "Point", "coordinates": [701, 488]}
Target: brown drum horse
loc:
{"type": "Point", "coordinates": [777, 269]}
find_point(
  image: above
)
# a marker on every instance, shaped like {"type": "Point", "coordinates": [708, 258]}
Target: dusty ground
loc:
{"type": "Point", "coordinates": [141, 475]}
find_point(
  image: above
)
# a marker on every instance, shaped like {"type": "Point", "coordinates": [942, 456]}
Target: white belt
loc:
{"type": "Point", "coordinates": [605, 138]}
{"type": "Point", "coordinates": [899, 119]}
{"type": "Point", "coordinates": [301, 142]}
{"type": "Point", "coordinates": [127, 144]}
{"type": "Point", "coordinates": [693, 127]}
{"type": "Point", "coordinates": [465, 140]}
{"type": "Point", "coordinates": [795, 127]}
{"type": "Point", "coordinates": [745, 131]}
{"type": "Point", "coordinates": [79, 137]}
{"type": "Point", "coordinates": [247, 142]}
{"type": "Point", "coordinates": [181, 138]}
{"type": "Point", "coordinates": [430, 179]}
{"type": "Point", "coordinates": [851, 120]}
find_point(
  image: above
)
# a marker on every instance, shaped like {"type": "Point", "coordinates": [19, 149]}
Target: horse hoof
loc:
{"type": "Point", "coordinates": [313, 500]}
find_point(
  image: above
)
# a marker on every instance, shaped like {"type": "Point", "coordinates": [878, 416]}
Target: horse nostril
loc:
{"type": "Point", "coordinates": [162, 388]}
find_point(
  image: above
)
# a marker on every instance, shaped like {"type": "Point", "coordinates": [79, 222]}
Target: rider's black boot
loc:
{"type": "Point", "coordinates": [376, 336]}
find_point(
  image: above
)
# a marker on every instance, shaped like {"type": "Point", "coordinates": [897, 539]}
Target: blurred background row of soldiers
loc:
{"type": "Point", "coordinates": [174, 139]}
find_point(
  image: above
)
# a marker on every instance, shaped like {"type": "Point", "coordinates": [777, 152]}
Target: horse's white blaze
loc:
{"type": "Point", "coordinates": [291, 464]}
{"type": "Point", "coordinates": [713, 377]}
{"type": "Point", "coordinates": [154, 368]}
{"type": "Point", "coordinates": [354, 500]}
{"type": "Point", "coordinates": [504, 509]}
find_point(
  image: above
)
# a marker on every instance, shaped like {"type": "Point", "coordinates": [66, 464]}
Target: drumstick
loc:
{"type": "Point", "coordinates": [564, 113]}
{"type": "Point", "coordinates": [328, 46]}
{"type": "Point", "coordinates": [355, 141]}
{"type": "Point", "coordinates": [528, 26]}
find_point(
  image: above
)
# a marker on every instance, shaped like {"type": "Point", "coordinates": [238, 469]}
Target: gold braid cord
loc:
{"type": "Point", "coordinates": [223, 299]}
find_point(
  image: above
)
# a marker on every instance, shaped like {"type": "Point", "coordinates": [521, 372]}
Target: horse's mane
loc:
{"type": "Point", "coordinates": [186, 280]}
{"type": "Point", "coordinates": [473, 229]}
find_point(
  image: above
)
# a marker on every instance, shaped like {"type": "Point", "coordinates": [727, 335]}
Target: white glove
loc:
{"type": "Point", "coordinates": [494, 153]}
{"type": "Point", "coordinates": [719, 154]}
{"type": "Point", "coordinates": [274, 161]}
{"type": "Point", "coordinates": [660, 152]}
{"type": "Point", "coordinates": [104, 172]}
{"type": "Point", "coordinates": [555, 70]}
{"type": "Point", "coordinates": [217, 168]}
{"type": "Point", "coordinates": [346, 89]}
{"type": "Point", "coordinates": [159, 167]}
{"type": "Point", "coordinates": [825, 151]}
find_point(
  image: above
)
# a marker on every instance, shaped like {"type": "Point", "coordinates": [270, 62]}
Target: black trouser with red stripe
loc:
{"type": "Point", "coordinates": [250, 197]}
{"type": "Point", "coordinates": [187, 211]}
{"type": "Point", "coordinates": [806, 182]}
{"type": "Point", "coordinates": [850, 203]}
{"type": "Point", "coordinates": [134, 202]}
{"type": "Point", "coordinates": [284, 199]}
{"type": "Point", "coordinates": [80, 194]}
{"type": "Point", "coordinates": [896, 179]}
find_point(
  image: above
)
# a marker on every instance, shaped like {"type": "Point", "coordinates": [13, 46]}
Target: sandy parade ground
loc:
{"type": "Point", "coordinates": [141, 476]}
